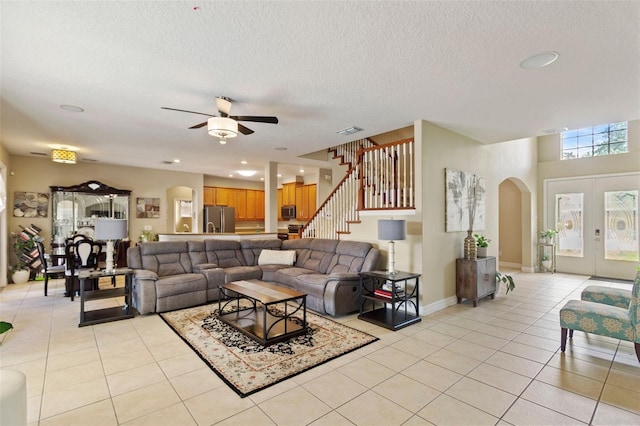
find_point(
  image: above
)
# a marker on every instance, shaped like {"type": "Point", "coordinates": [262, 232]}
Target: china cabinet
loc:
{"type": "Point", "coordinates": [75, 208]}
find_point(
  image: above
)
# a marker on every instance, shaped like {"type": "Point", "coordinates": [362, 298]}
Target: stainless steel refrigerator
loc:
{"type": "Point", "coordinates": [219, 219]}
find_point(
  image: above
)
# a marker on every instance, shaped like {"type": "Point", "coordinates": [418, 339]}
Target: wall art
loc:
{"type": "Point", "coordinates": [30, 204]}
{"type": "Point", "coordinates": [147, 208]}
{"type": "Point", "coordinates": [465, 201]}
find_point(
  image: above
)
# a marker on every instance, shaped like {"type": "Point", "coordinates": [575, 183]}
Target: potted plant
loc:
{"type": "Point", "coordinates": [146, 236]}
{"type": "Point", "coordinates": [547, 236]}
{"type": "Point", "coordinates": [546, 261]}
{"type": "Point", "coordinates": [20, 270]}
{"type": "Point", "coordinates": [482, 242]}
{"type": "Point", "coordinates": [507, 280]}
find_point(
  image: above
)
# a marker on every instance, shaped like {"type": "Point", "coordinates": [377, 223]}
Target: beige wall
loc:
{"type": "Point", "coordinates": [37, 174]}
{"type": "Point", "coordinates": [510, 224]}
{"type": "Point", "coordinates": [4, 236]}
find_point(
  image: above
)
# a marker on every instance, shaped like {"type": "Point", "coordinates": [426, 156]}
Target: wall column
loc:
{"type": "Point", "coordinates": [271, 197]}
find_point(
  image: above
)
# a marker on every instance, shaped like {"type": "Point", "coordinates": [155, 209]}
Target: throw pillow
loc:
{"type": "Point", "coordinates": [277, 257]}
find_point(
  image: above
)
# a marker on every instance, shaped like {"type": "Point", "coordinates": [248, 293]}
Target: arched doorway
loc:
{"type": "Point", "coordinates": [516, 228]}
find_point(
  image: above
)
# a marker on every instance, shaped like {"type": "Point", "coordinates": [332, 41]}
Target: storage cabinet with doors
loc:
{"type": "Point", "coordinates": [280, 203]}
{"type": "Point", "coordinates": [475, 278]}
{"type": "Point", "coordinates": [305, 201]}
{"type": "Point", "coordinates": [209, 196]}
{"type": "Point", "coordinates": [289, 193]}
{"type": "Point", "coordinates": [248, 203]}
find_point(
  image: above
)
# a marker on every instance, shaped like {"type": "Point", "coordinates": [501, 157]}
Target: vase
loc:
{"type": "Point", "coordinates": [20, 276]}
{"type": "Point", "coordinates": [470, 248]}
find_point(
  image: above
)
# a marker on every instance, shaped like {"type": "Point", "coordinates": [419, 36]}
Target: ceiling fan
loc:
{"type": "Point", "coordinates": [226, 126]}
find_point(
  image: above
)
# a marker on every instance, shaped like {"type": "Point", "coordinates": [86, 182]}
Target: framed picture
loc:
{"type": "Point", "coordinates": [465, 201]}
{"type": "Point", "coordinates": [30, 204]}
{"type": "Point", "coordinates": [147, 208]}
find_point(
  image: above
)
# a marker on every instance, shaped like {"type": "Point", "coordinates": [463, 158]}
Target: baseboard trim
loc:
{"type": "Point", "coordinates": [438, 305]}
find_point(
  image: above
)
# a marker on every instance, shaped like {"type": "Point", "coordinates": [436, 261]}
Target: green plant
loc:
{"type": "Point", "coordinates": [549, 233]}
{"type": "Point", "coordinates": [507, 280]}
{"type": "Point", "coordinates": [146, 236]}
{"type": "Point", "coordinates": [20, 246]}
{"type": "Point", "coordinates": [481, 240]}
{"type": "Point", "coordinates": [5, 326]}
{"type": "Point", "coordinates": [546, 257]}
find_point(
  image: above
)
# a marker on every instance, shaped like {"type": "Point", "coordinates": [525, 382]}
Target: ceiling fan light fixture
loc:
{"type": "Point", "coordinates": [63, 156]}
{"type": "Point", "coordinates": [246, 173]}
{"type": "Point", "coordinates": [222, 127]}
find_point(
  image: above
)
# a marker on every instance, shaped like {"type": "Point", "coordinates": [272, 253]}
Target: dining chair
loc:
{"type": "Point", "coordinates": [82, 255]}
{"type": "Point", "coordinates": [47, 269]}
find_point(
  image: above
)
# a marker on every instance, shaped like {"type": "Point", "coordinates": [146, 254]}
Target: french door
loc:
{"type": "Point", "coordinates": [597, 222]}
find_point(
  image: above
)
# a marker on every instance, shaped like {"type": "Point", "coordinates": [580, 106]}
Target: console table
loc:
{"type": "Point", "coordinates": [393, 311]}
{"type": "Point", "coordinates": [98, 316]}
{"type": "Point", "coordinates": [475, 278]}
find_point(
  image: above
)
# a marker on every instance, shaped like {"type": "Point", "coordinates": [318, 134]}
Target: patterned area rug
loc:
{"type": "Point", "coordinates": [248, 367]}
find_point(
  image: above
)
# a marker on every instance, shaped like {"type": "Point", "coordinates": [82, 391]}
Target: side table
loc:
{"type": "Point", "coordinates": [475, 278]}
{"type": "Point", "coordinates": [393, 311]}
{"type": "Point", "coordinates": [98, 316]}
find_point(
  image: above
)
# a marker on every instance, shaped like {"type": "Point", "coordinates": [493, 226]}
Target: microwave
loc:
{"type": "Point", "coordinates": [288, 212]}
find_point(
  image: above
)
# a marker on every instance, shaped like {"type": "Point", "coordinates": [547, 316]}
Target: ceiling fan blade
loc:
{"type": "Point", "coordinates": [224, 105]}
{"type": "Point", "coordinates": [255, 118]}
{"type": "Point", "coordinates": [244, 130]}
{"type": "Point", "coordinates": [191, 112]}
{"type": "Point", "coordinates": [197, 126]}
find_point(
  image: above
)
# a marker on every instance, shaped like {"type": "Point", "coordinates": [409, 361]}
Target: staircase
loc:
{"type": "Point", "coordinates": [380, 177]}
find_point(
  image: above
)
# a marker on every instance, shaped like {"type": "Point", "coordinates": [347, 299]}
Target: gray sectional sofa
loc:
{"type": "Point", "coordinates": [178, 274]}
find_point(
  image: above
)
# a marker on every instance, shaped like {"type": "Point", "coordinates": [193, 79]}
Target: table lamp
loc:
{"type": "Point", "coordinates": [391, 230]}
{"type": "Point", "coordinates": [109, 230]}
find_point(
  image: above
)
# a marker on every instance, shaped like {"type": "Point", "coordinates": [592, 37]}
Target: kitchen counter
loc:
{"type": "Point", "coordinates": [241, 235]}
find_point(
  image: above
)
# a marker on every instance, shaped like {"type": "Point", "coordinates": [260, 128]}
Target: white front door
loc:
{"type": "Point", "coordinates": [597, 220]}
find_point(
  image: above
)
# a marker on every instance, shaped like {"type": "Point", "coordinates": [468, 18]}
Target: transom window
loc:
{"type": "Point", "coordinates": [606, 139]}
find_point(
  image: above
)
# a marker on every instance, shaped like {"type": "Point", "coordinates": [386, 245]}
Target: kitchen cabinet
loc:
{"type": "Point", "coordinates": [209, 196]}
{"type": "Point", "coordinates": [280, 203]}
{"type": "Point", "coordinates": [241, 204]}
{"type": "Point", "coordinates": [289, 193]}
{"type": "Point", "coordinates": [225, 197]}
{"type": "Point", "coordinates": [305, 201]}
{"type": "Point", "coordinates": [248, 203]}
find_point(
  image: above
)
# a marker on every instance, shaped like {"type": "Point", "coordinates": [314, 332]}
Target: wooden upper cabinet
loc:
{"type": "Point", "coordinates": [260, 205]}
{"type": "Point", "coordinates": [305, 201]}
{"type": "Point", "coordinates": [289, 193]}
{"type": "Point", "coordinates": [241, 204]}
{"type": "Point", "coordinates": [280, 203]}
{"type": "Point", "coordinates": [209, 196]}
{"type": "Point", "coordinates": [252, 204]}
{"type": "Point", "coordinates": [225, 197]}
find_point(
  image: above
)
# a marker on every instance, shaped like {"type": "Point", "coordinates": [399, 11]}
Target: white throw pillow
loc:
{"type": "Point", "coordinates": [277, 257]}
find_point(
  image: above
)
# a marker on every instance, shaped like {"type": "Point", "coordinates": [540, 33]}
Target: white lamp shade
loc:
{"type": "Point", "coordinates": [222, 127]}
{"type": "Point", "coordinates": [110, 229]}
{"type": "Point", "coordinates": [392, 230]}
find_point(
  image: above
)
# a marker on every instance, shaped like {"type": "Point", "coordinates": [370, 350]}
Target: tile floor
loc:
{"type": "Point", "coordinates": [498, 363]}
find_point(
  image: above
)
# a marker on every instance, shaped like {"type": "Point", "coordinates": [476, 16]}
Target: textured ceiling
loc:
{"type": "Point", "coordinates": [318, 66]}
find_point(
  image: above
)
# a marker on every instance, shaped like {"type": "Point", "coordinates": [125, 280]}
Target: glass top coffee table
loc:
{"type": "Point", "coordinates": [263, 311]}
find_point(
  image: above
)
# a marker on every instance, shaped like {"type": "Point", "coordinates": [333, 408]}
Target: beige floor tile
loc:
{"type": "Point", "coordinates": [560, 400]}
{"type": "Point", "coordinates": [485, 340]}
{"type": "Point", "coordinates": [294, 407]}
{"type": "Point", "coordinates": [253, 416]}
{"type": "Point", "coordinates": [135, 378]}
{"type": "Point", "coordinates": [196, 382]}
{"type": "Point", "coordinates": [433, 376]}
{"type": "Point", "coordinates": [366, 372]}
{"type": "Point", "coordinates": [434, 338]}
{"type": "Point", "coordinates": [446, 410]}
{"type": "Point", "coordinates": [624, 380]}
{"type": "Point", "coordinates": [415, 347]}
{"type": "Point", "coordinates": [101, 414]}
{"type": "Point", "coordinates": [597, 371]}
{"type": "Point", "coordinates": [373, 409]}
{"type": "Point", "coordinates": [273, 391]}
{"type": "Point", "coordinates": [173, 415]}
{"type": "Point", "coordinates": [571, 382]}
{"type": "Point", "coordinates": [551, 345]}
{"type": "Point", "coordinates": [450, 329]}
{"type": "Point", "coordinates": [60, 400]}
{"type": "Point", "coordinates": [181, 364]}
{"type": "Point", "coordinates": [453, 361]}
{"type": "Point", "coordinates": [529, 352]}
{"type": "Point", "coordinates": [472, 350]}
{"type": "Point", "coordinates": [142, 402]}
{"type": "Point", "coordinates": [609, 415]}
{"type": "Point", "coordinates": [392, 358]}
{"type": "Point", "coordinates": [621, 398]}
{"type": "Point", "coordinates": [406, 392]}
{"type": "Point", "coordinates": [73, 376]}
{"type": "Point", "coordinates": [216, 405]}
{"type": "Point", "coordinates": [515, 364]}
{"type": "Point", "coordinates": [526, 413]}
{"type": "Point", "coordinates": [497, 331]}
{"type": "Point", "coordinates": [334, 389]}
{"type": "Point", "coordinates": [500, 378]}
{"type": "Point", "coordinates": [417, 421]}
{"type": "Point", "coordinates": [484, 397]}
{"type": "Point", "coordinates": [331, 419]}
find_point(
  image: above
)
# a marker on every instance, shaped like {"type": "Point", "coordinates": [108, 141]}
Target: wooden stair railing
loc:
{"type": "Point", "coordinates": [381, 178]}
{"type": "Point", "coordinates": [347, 153]}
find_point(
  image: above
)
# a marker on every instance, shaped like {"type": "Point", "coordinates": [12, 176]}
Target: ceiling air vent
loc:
{"type": "Point", "coordinates": [38, 153]}
{"type": "Point", "coordinates": [349, 131]}
{"type": "Point", "coordinates": [167, 162]}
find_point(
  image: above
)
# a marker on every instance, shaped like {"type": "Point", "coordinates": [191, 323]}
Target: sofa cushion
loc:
{"type": "Point", "coordinates": [312, 284]}
{"type": "Point", "coordinates": [239, 273]}
{"type": "Point", "coordinates": [319, 256]}
{"type": "Point", "coordinates": [224, 253]}
{"type": "Point", "coordinates": [179, 284]}
{"type": "Point", "coordinates": [288, 276]}
{"type": "Point", "coordinates": [165, 258]}
{"type": "Point", "coordinates": [252, 248]}
{"type": "Point", "coordinates": [349, 257]}
{"type": "Point", "coordinates": [277, 257]}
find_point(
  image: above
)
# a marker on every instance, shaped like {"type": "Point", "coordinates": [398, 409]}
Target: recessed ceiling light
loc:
{"type": "Point", "coordinates": [71, 108]}
{"type": "Point", "coordinates": [279, 175]}
{"type": "Point", "coordinates": [301, 170]}
{"type": "Point", "coordinates": [349, 131]}
{"type": "Point", "coordinates": [243, 162]}
{"type": "Point", "coordinates": [261, 178]}
{"type": "Point", "coordinates": [246, 173]}
{"type": "Point", "coordinates": [281, 148]}
{"type": "Point", "coordinates": [230, 174]}
{"type": "Point", "coordinates": [539, 60]}
{"type": "Point", "coordinates": [176, 160]}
